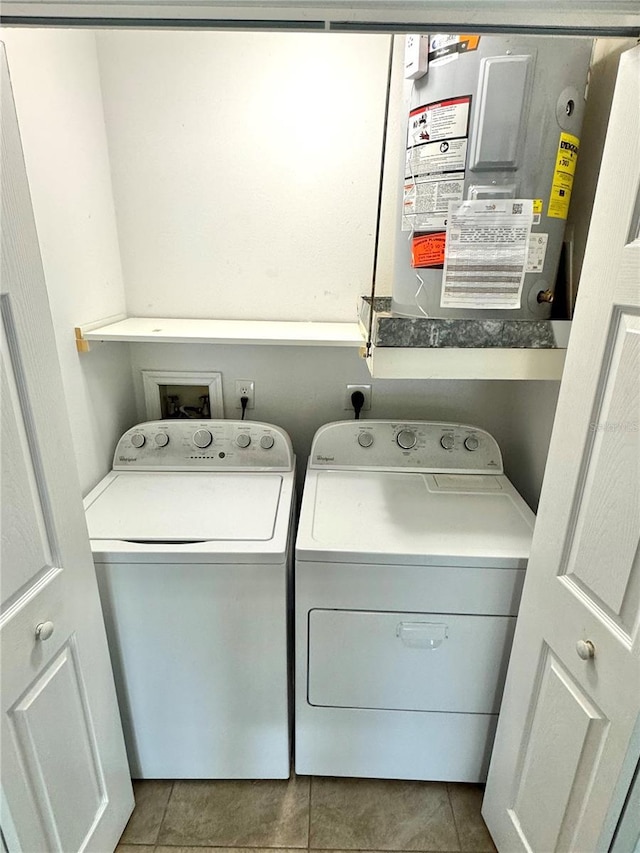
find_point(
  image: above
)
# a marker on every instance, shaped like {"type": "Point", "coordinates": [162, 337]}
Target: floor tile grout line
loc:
{"type": "Point", "coordinates": [164, 813]}
{"type": "Point", "coordinates": [309, 815]}
{"type": "Point", "coordinates": [453, 815]}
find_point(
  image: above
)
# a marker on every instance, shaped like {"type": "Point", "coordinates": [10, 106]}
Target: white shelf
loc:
{"type": "Point", "coordinates": [453, 363]}
{"type": "Point", "coordinates": [266, 332]}
{"type": "Point", "coordinates": [383, 363]}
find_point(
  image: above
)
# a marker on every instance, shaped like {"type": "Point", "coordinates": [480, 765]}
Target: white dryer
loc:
{"type": "Point", "coordinates": [410, 558]}
{"type": "Point", "coordinates": [191, 538]}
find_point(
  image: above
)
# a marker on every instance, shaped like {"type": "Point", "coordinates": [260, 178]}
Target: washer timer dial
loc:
{"type": "Point", "coordinates": [138, 439]}
{"type": "Point", "coordinates": [267, 442]}
{"type": "Point", "coordinates": [471, 442]}
{"type": "Point", "coordinates": [448, 441]}
{"type": "Point", "coordinates": [365, 439]}
{"type": "Point", "coordinates": [162, 439]}
{"type": "Point", "coordinates": [406, 439]}
{"type": "Point", "coordinates": [202, 438]}
{"type": "Point", "coordinates": [243, 440]}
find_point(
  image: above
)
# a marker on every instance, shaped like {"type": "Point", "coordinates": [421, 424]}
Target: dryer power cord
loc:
{"type": "Point", "coordinates": [357, 401]}
{"type": "Point", "coordinates": [243, 403]}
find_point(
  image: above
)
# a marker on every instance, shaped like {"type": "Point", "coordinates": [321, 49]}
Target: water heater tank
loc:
{"type": "Point", "coordinates": [488, 157]}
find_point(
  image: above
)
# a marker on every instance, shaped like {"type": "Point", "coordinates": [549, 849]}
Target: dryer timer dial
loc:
{"type": "Point", "coordinates": [406, 439]}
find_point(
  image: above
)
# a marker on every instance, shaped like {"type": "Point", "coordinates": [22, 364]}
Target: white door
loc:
{"type": "Point", "coordinates": [568, 738]}
{"type": "Point", "coordinates": [65, 779]}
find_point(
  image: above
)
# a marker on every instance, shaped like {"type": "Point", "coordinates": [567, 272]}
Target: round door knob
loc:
{"type": "Point", "coordinates": [365, 439]}
{"type": "Point", "coordinates": [448, 441]}
{"type": "Point", "coordinates": [585, 649]}
{"type": "Point", "coordinates": [266, 442]}
{"type": "Point", "coordinates": [44, 630]}
{"type": "Point", "coordinates": [243, 440]}
{"type": "Point", "coordinates": [406, 439]}
{"type": "Point", "coordinates": [471, 442]}
{"type": "Point", "coordinates": [162, 439]}
{"type": "Point", "coordinates": [138, 439]}
{"type": "Point", "coordinates": [202, 438]}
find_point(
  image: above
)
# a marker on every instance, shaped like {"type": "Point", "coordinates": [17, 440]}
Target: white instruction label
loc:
{"type": "Point", "coordinates": [426, 201]}
{"type": "Point", "coordinates": [486, 252]}
{"type": "Point", "coordinates": [537, 252]}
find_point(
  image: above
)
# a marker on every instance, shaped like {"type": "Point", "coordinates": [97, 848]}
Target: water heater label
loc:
{"type": "Point", "coordinates": [487, 244]}
{"type": "Point", "coordinates": [566, 161]}
{"type": "Point", "coordinates": [436, 158]}
{"type": "Point", "coordinates": [427, 250]}
{"type": "Point", "coordinates": [537, 252]}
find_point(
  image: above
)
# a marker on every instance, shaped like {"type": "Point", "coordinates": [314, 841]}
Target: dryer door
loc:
{"type": "Point", "coordinates": [408, 661]}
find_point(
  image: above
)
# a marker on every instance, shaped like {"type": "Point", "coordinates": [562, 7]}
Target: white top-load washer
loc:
{"type": "Point", "coordinates": [410, 557]}
{"type": "Point", "coordinates": [191, 538]}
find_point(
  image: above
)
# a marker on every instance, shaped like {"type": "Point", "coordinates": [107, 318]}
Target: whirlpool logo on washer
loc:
{"type": "Point", "coordinates": [320, 458]}
{"type": "Point", "coordinates": [127, 459]}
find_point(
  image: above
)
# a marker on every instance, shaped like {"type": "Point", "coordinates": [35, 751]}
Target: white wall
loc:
{"type": "Point", "coordinates": [57, 92]}
{"type": "Point", "coordinates": [301, 388]}
{"type": "Point", "coordinates": [245, 170]}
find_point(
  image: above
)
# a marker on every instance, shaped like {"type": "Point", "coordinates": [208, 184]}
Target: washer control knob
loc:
{"type": "Point", "coordinates": [365, 439]}
{"type": "Point", "coordinates": [406, 439]}
{"type": "Point", "coordinates": [471, 442]}
{"type": "Point", "coordinates": [202, 438]}
{"type": "Point", "coordinates": [243, 440]}
{"type": "Point", "coordinates": [138, 439]}
{"type": "Point", "coordinates": [448, 441]}
{"type": "Point", "coordinates": [267, 442]}
{"type": "Point", "coordinates": [162, 439]}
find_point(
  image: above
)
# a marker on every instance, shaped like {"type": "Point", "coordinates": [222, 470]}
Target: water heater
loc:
{"type": "Point", "coordinates": [489, 153]}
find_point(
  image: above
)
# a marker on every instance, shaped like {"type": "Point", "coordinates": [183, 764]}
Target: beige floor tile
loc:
{"type": "Point", "coordinates": [135, 848]}
{"type": "Point", "coordinates": [144, 824]}
{"type": "Point", "coordinates": [375, 814]}
{"type": "Point", "coordinates": [264, 813]}
{"type": "Point", "coordinates": [467, 801]}
{"type": "Point", "coordinates": [199, 849]}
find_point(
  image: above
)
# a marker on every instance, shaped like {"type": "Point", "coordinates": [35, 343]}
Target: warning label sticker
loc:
{"type": "Point", "coordinates": [566, 161]}
{"type": "Point", "coordinates": [427, 250]}
{"type": "Point", "coordinates": [426, 201]}
{"type": "Point", "coordinates": [447, 119]}
{"type": "Point", "coordinates": [444, 47]}
{"type": "Point", "coordinates": [445, 156]}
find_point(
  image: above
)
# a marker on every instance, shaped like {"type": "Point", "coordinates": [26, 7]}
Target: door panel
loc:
{"type": "Point", "coordinates": [65, 773]}
{"type": "Point", "coordinates": [65, 778]}
{"type": "Point", "coordinates": [568, 736]}
{"type": "Point", "coordinates": [561, 713]}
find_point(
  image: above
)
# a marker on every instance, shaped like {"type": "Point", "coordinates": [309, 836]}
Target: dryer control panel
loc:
{"type": "Point", "coordinates": [406, 446]}
{"type": "Point", "coordinates": [206, 445]}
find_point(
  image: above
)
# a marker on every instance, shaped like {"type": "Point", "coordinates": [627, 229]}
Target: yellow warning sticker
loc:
{"type": "Point", "coordinates": [537, 205]}
{"type": "Point", "coordinates": [562, 185]}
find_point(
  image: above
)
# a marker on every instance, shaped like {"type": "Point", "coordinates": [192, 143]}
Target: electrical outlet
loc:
{"type": "Point", "coordinates": [366, 390]}
{"type": "Point", "coordinates": [245, 388]}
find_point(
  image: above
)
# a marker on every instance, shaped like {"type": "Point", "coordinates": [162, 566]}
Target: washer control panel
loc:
{"type": "Point", "coordinates": [406, 445]}
{"type": "Point", "coordinates": [209, 445]}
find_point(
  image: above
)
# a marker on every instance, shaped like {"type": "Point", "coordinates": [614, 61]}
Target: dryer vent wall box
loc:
{"type": "Point", "coordinates": [191, 536]}
{"type": "Point", "coordinates": [410, 558]}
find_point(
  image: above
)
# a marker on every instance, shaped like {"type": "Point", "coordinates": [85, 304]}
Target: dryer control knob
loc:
{"type": "Point", "coordinates": [243, 440]}
{"type": "Point", "coordinates": [202, 438]}
{"type": "Point", "coordinates": [365, 439]}
{"type": "Point", "coordinates": [471, 442]}
{"type": "Point", "coordinates": [138, 439]}
{"type": "Point", "coordinates": [448, 441]}
{"type": "Point", "coordinates": [266, 442]}
{"type": "Point", "coordinates": [406, 439]}
{"type": "Point", "coordinates": [162, 439]}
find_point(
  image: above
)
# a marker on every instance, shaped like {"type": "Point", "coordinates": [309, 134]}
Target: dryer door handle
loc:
{"type": "Point", "coordinates": [422, 635]}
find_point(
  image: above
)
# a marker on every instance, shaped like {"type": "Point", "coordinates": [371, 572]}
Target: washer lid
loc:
{"type": "Point", "coordinates": [359, 516]}
{"type": "Point", "coordinates": [185, 507]}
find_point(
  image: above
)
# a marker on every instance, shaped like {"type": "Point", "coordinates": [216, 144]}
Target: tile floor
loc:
{"type": "Point", "coordinates": [303, 813]}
